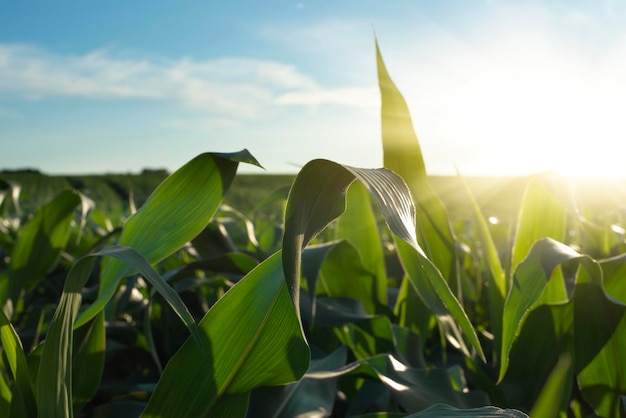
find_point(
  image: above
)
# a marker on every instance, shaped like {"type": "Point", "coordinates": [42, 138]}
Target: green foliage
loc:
{"type": "Point", "coordinates": [353, 292]}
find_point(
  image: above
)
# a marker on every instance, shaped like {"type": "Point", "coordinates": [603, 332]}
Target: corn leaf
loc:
{"type": "Point", "coordinates": [88, 361]}
{"type": "Point", "coordinates": [599, 322]}
{"type": "Point", "coordinates": [177, 211]}
{"type": "Point", "coordinates": [22, 402]}
{"type": "Point", "coordinates": [599, 344]}
{"type": "Point", "coordinates": [556, 388]}
{"type": "Point", "coordinates": [414, 389]}
{"type": "Point", "coordinates": [40, 242]}
{"type": "Point", "coordinates": [447, 411]}
{"type": "Point", "coordinates": [306, 397]}
{"type": "Point", "coordinates": [344, 275]}
{"type": "Point", "coordinates": [358, 226]}
{"type": "Point", "coordinates": [530, 280]}
{"type": "Point", "coordinates": [497, 277]}
{"type": "Point", "coordinates": [54, 379]}
{"type": "Point", "coordinates": [546, 335]}
{"type": "Point", "coordinates": [250, 337]}
{"type": "Point", "coordinates": [403, 154]}
{"type": "Point", "coordinates": [541, 216]}
{"type": "Point", "coordinates": [318, 197]}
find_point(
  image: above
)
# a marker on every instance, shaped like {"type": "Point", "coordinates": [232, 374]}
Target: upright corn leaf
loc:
{"type": "Point", "coordinates": [358, 226]}
{"type": "Point", "coordinates": [88, 362]}
{"type": "Point", "coordinates": [40, 242]}
{"type": "Point", "coordinates": [23, 402]}
{"type": "Point", "coordinates": [541, 216]}
{"type": "Point", "coordinates": [600, 345]}
{"type": "Point", "coordinates": [546, 335]}
{"type": "Point", "coordinates": [317, 198]}
{"type": "Point", "coordinates": [433, 290]}
{"type": "Point", "coordinates": [54, 379]}
{"type": "Point", "coordinates": [412, 313]}
{"type": "Point", "coordinates": [344, 275]}
{"type": "Point", "coordinates": [497, 277]}
{"type": "Point", "coordinates": [403, 155]}
{"type": "Point", "coordinates": [556, 388]}
{"type": "Point", "coordinates": [5, 397]}
{"type": "Point", "coordinates": [251, 337]}
{"type": "Point", "coordinates": [530, 280]}
{"type": "Point", "coordinates": [177, 211]}
{"type": "Point", "coordinates": [599, 322]}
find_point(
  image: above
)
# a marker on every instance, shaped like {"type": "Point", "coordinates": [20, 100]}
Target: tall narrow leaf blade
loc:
{"type": "Point", "coordinates": [40, 242]}
{"type": "Point", "coordinates": [403, 155]}
{"type": "Point", "coordinates": [23, 402]}
{"type": "Point", "coordinates": [530, 280]}
{"type": "Point", "coordinates": [358, 226]}
{"type": "Point", "coordinates": [88, 361]}
{"type": "Point", "coordinates": [177, 211]}
{"type": "Point", "coordinates": [600, 344]}
{"type": "Point", "coordinates": [541, 216]}
{"type": "Point", "coordinates": [54, 379]}
{"type": "Point", "coordinates": [556, 390]}
{"type": "Point", "coordinates": [251, 337]}
{"type": "Point", "coordinates": [497, 277]}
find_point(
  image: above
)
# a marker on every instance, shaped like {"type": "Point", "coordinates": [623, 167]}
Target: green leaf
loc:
{"type": "Point", "coordinates": [530, 279]}
{"type": "Point", "coordinates": [546, 335]}
{"type": "Point", "coordinates": [412, 388]}
{"type": "Point", "coordinates": [344, 275]}
{"type": "Point", "coordinates": [358, 226]}
{"type": "Point", "coordinates": [403, 155]}
{"type": "Point", "coordinates": [541, 216]}
{"type": "Point", "coordinates": [251, 337]}
{"type": "Point", "coordinates": [556, 389]}
{"type": "Point", "coordinates": [5, 397]}
{"type": "Point", "coordinates": [178, 210]}
{"type": "Point", "coordinates": [412, 313]}
{"type": "Point", "coordinates": [54, 380]}
{"type": "Point", "coordinates": [433, 290]}
{"type": "Point", "coordinates": [600, 345]}
{"type": "Point", "coordinates": [614, 270]}
{"type": "Point", "coordinates": [447, 411]}
{"type": "Point", "coordinates": [368, 337]}
{"type": "Point", "coordinates": [497, 278]}
{"type": "Point", "coordinates": [312, 261]}
{"type": "Point", "coordinates": [40, 242]}
{"type": "Point", "coordinates": [306, 397]}
{"type": "Point", "coordinates": [318, 197]}
{"type": "Point", "coordinates": [88, 361]}
{"type": "Point", "coordinates": [23, 402]}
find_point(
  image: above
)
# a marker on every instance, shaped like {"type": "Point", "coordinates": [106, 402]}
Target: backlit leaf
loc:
{"type": "Point", "coordinates": [177, 211]}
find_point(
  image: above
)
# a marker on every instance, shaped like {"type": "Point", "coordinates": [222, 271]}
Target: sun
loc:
{"type": "Point", "coordinates": [537, 124]}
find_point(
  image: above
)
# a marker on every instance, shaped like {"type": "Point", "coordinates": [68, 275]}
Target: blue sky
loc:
{"type": "Point", "coordinates": [495, 87]}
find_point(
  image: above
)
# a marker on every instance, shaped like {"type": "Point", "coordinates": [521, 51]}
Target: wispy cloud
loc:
{"type": "Point", "coordinates": [235, 87]}
{"type": "Point", "coordinates": [354, 97]}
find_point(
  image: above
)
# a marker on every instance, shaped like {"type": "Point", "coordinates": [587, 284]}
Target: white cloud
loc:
{"type": "Point", "coordinates": [202, 124]}
{"type": "Point", "coordinates": [355, 97]}
{"type": "Point", "coordinates": [236, 87]}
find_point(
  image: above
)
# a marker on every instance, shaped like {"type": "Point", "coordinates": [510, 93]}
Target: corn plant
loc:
{"type": "Point", "coordinates": [362, 299]}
